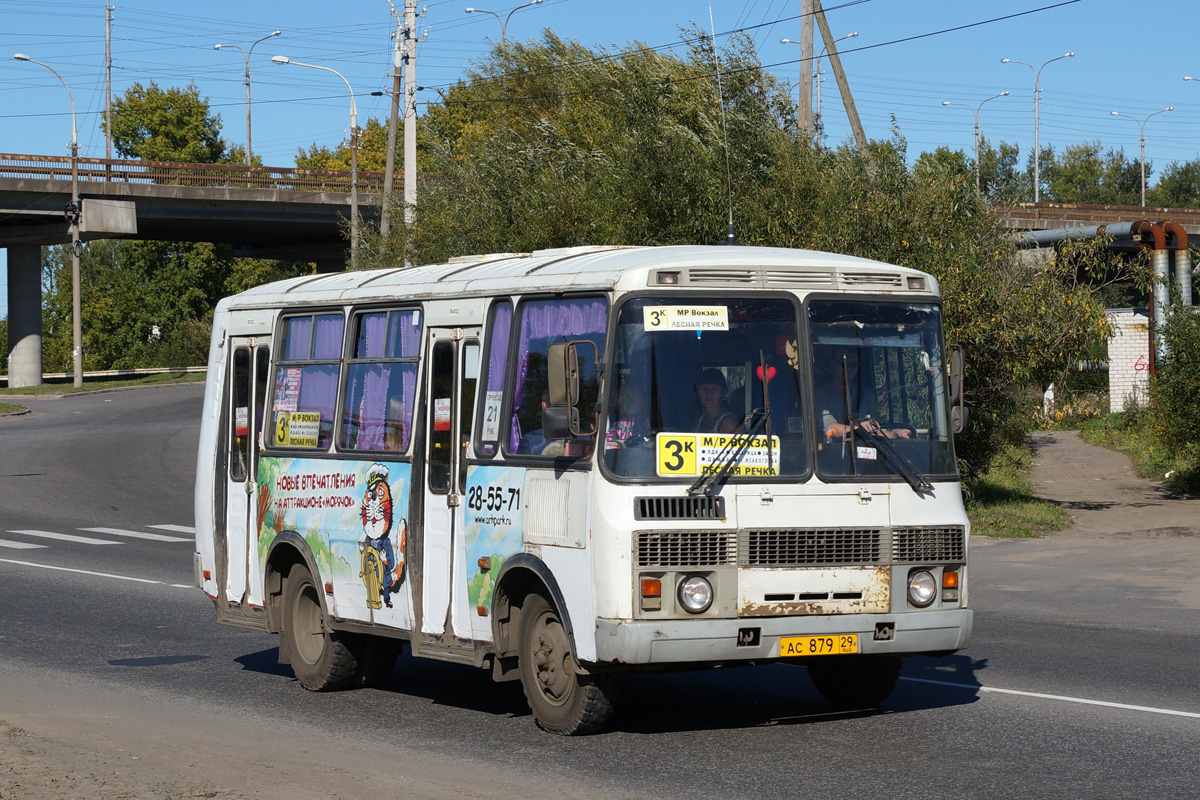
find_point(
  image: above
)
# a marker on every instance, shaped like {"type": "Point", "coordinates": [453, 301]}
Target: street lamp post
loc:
{"type": "Point", "coordinates": [818, 77]}
{"type": "Point", "coordinates": [975, 111]}
{"type": "Point", "coordinates": [246, 79]}
{"type": "Point", "coordinates": [353, 151]}
{"type": "Point", "coordinates": [1037, 78]}
{"type": "Point", "coordinates": [503, 22]}
{"type": "Point", "coordinates": [1142, 141]}
{"type": "Point", "coordinates": [73, 213]}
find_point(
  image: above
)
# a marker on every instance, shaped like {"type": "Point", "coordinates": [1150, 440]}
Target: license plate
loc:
{"type": "Point", "coordinates": [833, 645]}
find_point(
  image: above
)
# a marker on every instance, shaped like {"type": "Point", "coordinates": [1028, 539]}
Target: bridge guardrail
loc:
{"type": "Point", "coordinates": [167, 173]}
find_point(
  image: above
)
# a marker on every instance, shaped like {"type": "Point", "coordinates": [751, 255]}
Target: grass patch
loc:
{"type": "Point", "coordinates": [8, 408]}
{"type": "Point", "coordinates": [66, 386]}
{"type": "Point", "coordinates": [1132, 433]}
{"type": "Point", "coordinates": [1001, 504]}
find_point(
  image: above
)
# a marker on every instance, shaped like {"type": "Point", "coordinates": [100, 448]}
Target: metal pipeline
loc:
{"type": "Point", "coordinates": [1115, 230]}
{"type": "Point", "coordinates": [1160, 261]}
{"type": "Point", "coordinates": [1183, 261]}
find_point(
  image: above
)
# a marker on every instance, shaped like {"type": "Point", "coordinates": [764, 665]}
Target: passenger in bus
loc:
{"type": "Point", "coordinates": [712, 392]}
{"type": "Point", "coordinates": [841, 370]}
{"type": "Point", "coordinates": [630, 424]}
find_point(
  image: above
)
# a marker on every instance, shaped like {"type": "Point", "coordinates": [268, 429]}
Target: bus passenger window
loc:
{"type": "Point", "coordinates": [306, 378]}
{"type": "Point", "coordinates": [543, 323]}
{"type": "Point", "coordinates": [381, 382]}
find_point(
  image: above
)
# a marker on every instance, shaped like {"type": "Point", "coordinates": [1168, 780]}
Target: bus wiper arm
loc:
{"type": "Point", "coordinates": [902, 465]}
{"type": "Point", "coordinates": [730, 454]}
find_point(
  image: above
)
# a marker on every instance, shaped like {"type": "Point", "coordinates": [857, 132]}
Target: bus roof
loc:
{"type": "Point", "coordinates": [595, 268]}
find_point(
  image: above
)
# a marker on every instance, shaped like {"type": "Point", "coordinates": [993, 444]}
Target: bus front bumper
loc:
{"type": "Point", "coordinates": [686, 641]}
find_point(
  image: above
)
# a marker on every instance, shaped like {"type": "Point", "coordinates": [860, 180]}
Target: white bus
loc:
{"type": "Point", "coordinates": [569, 464]}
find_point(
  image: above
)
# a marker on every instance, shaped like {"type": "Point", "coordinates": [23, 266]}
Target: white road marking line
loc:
{"type": "Point", "coordinates": [20, 545]}
{"type": "Point", "coordinates": [176, 528]}
{"type": "Point", "coordinates": [1063, 698]}
{"type": "Point", "coordinates": [154, 537]}
{"type": "Point", "coordinates": [66, 537]}
{"type": "Point", "coordinates": [88, 572]}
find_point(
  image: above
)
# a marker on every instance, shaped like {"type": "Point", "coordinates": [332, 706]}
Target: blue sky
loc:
{"type": "Point", "coordinates": [1127, 61]}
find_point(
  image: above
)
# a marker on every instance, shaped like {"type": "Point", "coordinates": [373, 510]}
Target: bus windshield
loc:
{"type": "Point", "coordinates": [688, 375]}
{"type": "Point", "coordinates": [879, 390]}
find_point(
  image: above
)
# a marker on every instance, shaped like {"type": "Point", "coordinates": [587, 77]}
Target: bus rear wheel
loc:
{"type": "Point", "coordinates": [563, 700]}
{"type": "Point", "coordinates": [321, 660]}
{"type": "Point", "coordinates": [854, 682]}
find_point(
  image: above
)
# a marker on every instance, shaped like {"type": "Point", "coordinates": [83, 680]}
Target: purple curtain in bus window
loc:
{"type": "Point", "coordinates": [498, 356]}
{"type": "Point", "coordinates": [327, 338]}
{"type": "Point", "coordinates": [560, 319]}
{"type": "Point", "coordinates": [404, 338]}
{"type": "Point", "coordinates": [297, 336]}
{"type": "Point", "coordinates": [371, 330]}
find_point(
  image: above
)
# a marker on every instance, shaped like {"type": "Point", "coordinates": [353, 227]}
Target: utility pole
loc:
{"type": "Point", "coordinates": [410, 109]}
{"type": "Point", "coordinates": [385, 223]}
{"type": "Point", "coordinates": [806, 61]}
{"type": "Point", "coordinates": [108, 9]}
{"type": "Point", "coordinates": [835, 63]}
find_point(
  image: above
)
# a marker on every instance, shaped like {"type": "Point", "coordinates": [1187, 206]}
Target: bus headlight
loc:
{"type": "Point", "coordinates": [922, 588]}
{"type": "Point", "coordinates": [695, 594]}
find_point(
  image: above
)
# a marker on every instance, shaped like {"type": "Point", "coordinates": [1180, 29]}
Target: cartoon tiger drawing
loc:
{"type": "Point", "coordinates": [382, 569]}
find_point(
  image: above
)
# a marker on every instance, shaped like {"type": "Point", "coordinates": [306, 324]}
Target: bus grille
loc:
{"type": "Point", "coordinates": [803, 548]}
{"type": "Point", "coordinates": [928, 544]}
{"type": "Point", "coordinates": [686, 548]}
{"type": "Point", "coordinates": [679, 508]}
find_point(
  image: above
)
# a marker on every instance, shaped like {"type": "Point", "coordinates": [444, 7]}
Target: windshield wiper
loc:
{"type": "Point", "coordinates": [902, 465]}
{"type": "Point", "coordinates": [731, 453]}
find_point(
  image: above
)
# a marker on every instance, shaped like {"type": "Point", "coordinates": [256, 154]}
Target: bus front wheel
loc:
{"type": "Point", "coordinates": [854, 682]}
{"type": "Point", "coordinates": [321, 660]}
{"type": "Point", "coordinates": [563, 700]}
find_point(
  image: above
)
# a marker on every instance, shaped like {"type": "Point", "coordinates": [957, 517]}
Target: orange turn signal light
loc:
{"type": "Point", "coordinates": [651, 587]}
{"type": "Point", "coordinates": [949, 580]}
{"type": "Point", "coordinates": [207, 575]}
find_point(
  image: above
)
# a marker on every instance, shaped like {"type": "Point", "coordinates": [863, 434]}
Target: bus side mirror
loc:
{"type": "Point", "coordinates": [563, 372]}
{"type": "Point", "coordinates": [958, 410]}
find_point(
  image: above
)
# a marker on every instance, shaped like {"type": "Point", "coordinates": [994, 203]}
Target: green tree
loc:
{"type": "Point", "coordinates": [1086, 173]}
{"type": "Point", "coordinates": [4, 345]}
{"type": "Point", "coordinates": [153, 124]}
{"type": "Point", "coordinates": [1179, 186]}
{"type": "Point", "coordinates": [372, 151]}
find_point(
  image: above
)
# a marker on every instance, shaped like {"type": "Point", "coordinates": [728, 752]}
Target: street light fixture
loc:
{"type": "Point", "coordinates": [1037, 78]}
{"type": "Point", "coordinates": [975, 111]}
{"type": "Point", "coordinates": [1142, 141]}
{"type": "Point", "coordinates": [503, 22]}
{"type": "Point", "coordinates": [353, 151]}
{"type": "Point", "coordinates": [818, 77]}
{"type": "Point", "coordinates": [246, 79]}
{"type": "Point", "coordinates": [73, 213]}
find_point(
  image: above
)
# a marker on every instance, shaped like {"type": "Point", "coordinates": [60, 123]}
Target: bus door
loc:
{"type": "Point", "coordinates": [249, 368]}
{"type": "Point", "coordinates": [454, 356]}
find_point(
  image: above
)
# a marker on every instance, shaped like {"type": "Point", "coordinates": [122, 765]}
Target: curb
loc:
{"type": "Point", "coordinates": [20, 413]}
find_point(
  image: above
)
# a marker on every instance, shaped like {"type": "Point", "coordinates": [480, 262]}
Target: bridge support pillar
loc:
{"type": "Point", "coordinates": [24, 316]}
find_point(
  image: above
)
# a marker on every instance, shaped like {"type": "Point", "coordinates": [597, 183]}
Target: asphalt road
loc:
{"type": "Point", "coordinates": [1080, 680]}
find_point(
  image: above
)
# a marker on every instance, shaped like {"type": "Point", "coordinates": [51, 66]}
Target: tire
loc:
{"type": "Point", "coordinates": [563, 700]}
{"type": "Point", "coordinates": [376, 659]}
{"type": "Point", "coordinates": [854, 682]}
{"type": "Point", "coordinates": [321, 659]}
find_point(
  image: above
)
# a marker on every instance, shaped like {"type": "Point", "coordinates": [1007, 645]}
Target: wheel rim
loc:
{"type": "Point", "coordinates": [308, 629]}
{"type": "Point", "coordinates": [551, 656]}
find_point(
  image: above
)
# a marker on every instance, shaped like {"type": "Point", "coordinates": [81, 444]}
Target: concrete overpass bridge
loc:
{"type": "Point", "coordinates": [261, 212]}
